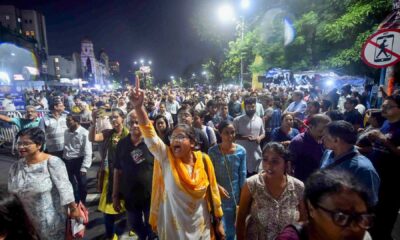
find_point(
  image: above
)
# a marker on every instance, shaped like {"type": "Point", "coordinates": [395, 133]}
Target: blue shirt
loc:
{"type": "Point", "coordinates": [23, 123]}
{"type": "Point", "coordinates": [236, 164]}
{"type": "Point", "coordinates": [358, 165]}
{"type": "Point", "coordinates": [297, 107]}
{"type": "Point", "coordinates": [278, 136]}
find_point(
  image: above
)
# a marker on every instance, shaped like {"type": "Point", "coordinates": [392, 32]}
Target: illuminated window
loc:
{"type": "Point", "coordinates": [27, 33]}
{"type": "Point", "coordinates": [7, 17]}
{"type": "Point", "coordinates": [58, 68]}
{"type": "Point", "coordinates": [56, 60]}
{"type": "Point", "coordinates": [19, 19]}
{"type": "Point", "coordinates": [32, 33]}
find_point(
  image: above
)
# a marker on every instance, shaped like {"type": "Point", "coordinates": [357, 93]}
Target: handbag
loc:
{"type": "Point", "coordinates": [230, 182]}
{"type": "Point", "coordinates": [76, 229]}
{"type": "Point", "coordinates": [213, 227]}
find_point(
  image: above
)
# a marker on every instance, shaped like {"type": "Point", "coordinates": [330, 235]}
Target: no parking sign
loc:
{"type": "Point", "coordinates": [382, 49]}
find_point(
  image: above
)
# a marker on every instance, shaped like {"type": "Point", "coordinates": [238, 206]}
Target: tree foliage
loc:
{"type": "Point", "coordinates": [329, 35]}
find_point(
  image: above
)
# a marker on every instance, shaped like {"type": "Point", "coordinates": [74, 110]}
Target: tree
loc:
{"type": "Point", "coordinates": [329, 35]}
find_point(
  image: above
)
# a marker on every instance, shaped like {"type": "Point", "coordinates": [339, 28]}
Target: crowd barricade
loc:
{"type": "Point", "coordinates": [9, 131]}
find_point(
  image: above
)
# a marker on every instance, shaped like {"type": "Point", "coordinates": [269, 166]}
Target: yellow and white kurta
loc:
{"type": "Point", "coordinates": [180, 210]}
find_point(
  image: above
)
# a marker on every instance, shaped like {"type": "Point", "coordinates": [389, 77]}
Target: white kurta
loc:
{"type": "Point", "coordinates": [180, 215]}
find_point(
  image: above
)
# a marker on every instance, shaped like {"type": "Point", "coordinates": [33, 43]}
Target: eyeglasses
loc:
{"type": "Point", "coordinates": [24, 144]}
{"type": "Point", "coordinates": [178, 138]}
{"type": "Point", "coordinates": [131, 123]}
{"type": "Point", "coordinates": [364, 220]}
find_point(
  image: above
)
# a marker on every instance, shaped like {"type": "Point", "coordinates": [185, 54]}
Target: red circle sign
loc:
{"type": "Point", "coordinates": [382, 49]}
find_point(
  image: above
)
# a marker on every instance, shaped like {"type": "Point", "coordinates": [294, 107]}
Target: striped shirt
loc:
{"type": "Point", "coordinates": [55, 129]}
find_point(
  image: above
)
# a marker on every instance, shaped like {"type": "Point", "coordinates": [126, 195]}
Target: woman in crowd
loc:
{"type": "Point", "coordinates": [109, 139]}
{"type": "Point", "coordinates": [285, 132]}
{"type": "Point", "coordinates": [375, 121]}
{"type": "Point", "coordinates": [41, 182]}
{"type": "Point", "coordinates": [14, 221]}
{"type": "Point", "coordinates": [337, 209]}
{"type": "Point", "coordinates": [229, 160]}
{"type": "Point", "coordinates": [273, 199]}
{"type": "Point", "coordinates": [162, 127]}
{"type": "Point", "coordinates": [181, 179]}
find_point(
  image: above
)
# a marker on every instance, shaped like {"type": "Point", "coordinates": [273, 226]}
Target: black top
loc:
{"type": "Point", "coordinates": [136, 163]}
{"type": "Point", "coordinates": [354, 117]}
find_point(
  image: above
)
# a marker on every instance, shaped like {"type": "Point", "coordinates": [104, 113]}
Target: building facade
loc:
{"type": "Point", "coordinates": [94, 71]}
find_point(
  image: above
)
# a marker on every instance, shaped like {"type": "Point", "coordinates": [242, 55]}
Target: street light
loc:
{"type": "Point", "coordinates": [226, 13]}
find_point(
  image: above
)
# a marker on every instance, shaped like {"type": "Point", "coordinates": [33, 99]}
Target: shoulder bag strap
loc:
{"type": "Point", "coordinates": [208, 188]}
{"type": "Point", "coordinates": [229, 175]}
{"type": "Point", "coordinates": [341, 160]}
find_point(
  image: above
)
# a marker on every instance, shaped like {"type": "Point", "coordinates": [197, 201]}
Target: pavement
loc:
{"type": "Point", "coordinates": [95, 228]}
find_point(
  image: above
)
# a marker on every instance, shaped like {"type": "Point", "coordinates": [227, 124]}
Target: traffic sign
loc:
{"type": "Point", "coordinates": [382, 49]}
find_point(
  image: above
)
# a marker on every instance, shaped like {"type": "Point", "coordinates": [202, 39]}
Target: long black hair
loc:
{"type": "Point", "coordinates": [14, 222]}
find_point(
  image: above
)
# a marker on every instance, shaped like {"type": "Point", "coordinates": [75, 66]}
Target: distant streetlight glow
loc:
{"type": "Point", "coordinates": [141, 61]}
{"type": "Point", "coordinates": [150, 62]}
{"type": "Point", "coordinates": [135, 62]}
{"type": "Point", "coordinates": [245, 4]}
{"type": "Point", "coordinates": [172, 77]}
{"type": "Point", "coordinates": [204, 73]}
{"type": "Point", "coordinates": [226, 13]}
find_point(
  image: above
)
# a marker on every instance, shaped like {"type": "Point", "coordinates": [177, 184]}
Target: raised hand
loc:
{"type": "Point", "coordinates": [137, 97]}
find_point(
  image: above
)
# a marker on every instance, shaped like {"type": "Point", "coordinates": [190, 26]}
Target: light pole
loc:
{"type": "Point", "coordinates": [226, 13]}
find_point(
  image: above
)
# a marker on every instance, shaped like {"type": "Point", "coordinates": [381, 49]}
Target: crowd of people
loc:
{"type": "Point", "coordinates": [278, 163]}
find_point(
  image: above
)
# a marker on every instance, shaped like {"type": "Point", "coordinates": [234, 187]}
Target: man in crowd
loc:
{"type": "Point", "coordinates": [172, 107]}
{"type": "Point", "coordinates": [351, 114]}
{"type": "Point", "coordinates": [77, 156]}
{"type": "Point", "coordinates": [340, 138]}
{"type": "Point", "coordinates": [55, 126]}
{"type": "Point", "coordinates": [133, 173]}
{"type": "Point", "coordinates": [307, 148]}
{"type": "Point", "coordinates": [249, 133]}
{"type": "Point", "coordinates": [234, 106]}
{"type": "Point", "coordinates": [298, 107]}
{"type": "Point", "coordinates": [31, 119]}
{"type": "Point", "coordinates": [8, 104]}
{"type": "Point", "coordinates": [185, 116]}
{"type": "Point", "coordinates": [386, 158]}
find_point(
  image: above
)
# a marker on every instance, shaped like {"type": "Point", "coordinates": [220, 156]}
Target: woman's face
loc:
{"type": "Point", "coordinates": [228, 134]}
{"type": "Point", "coordinates": [26, 146]}
{"type": "Point", "coordinates": [180, 143]}
{"type": "Point", "coordinates": [116, 120]}
{"type": "Point", "coordinates": [347, 203]}
{"type": "Point", "coordinates": [273, 164]}
{"type": "Point", "coordinates": [287, 121]}
{"type": "Point", "coordinates": [161, 125]}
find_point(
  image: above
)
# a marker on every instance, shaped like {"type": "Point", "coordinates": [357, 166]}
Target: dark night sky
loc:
{"type": "Point", "coordinates": [159, 30]}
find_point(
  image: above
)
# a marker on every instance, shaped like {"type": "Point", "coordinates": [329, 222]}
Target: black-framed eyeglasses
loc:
{"type": "Point", "coordinates": [364, 220]}
{"type": "Point", "coordinates": [178, 138]}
